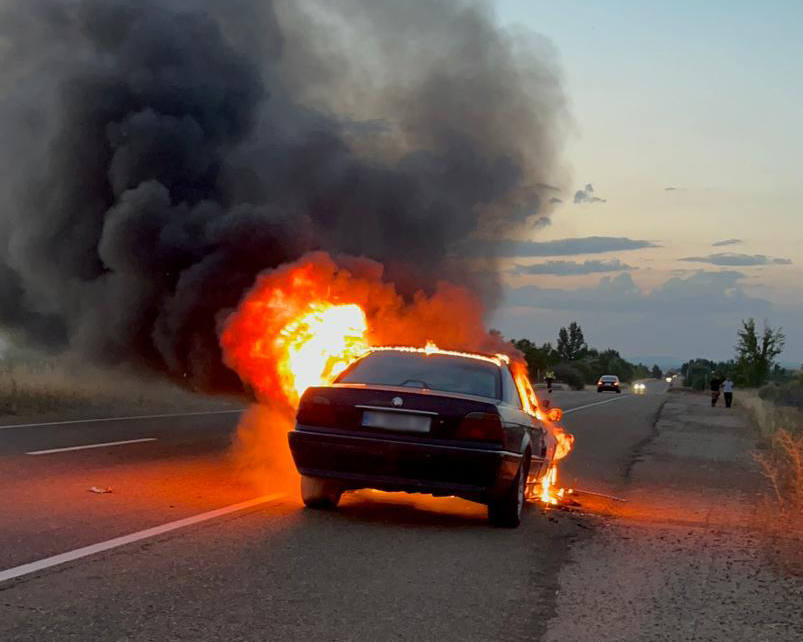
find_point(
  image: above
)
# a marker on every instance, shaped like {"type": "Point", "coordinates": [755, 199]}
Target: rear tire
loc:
{"type": "Point", "coordinates": [505, 512]}
{"type": "Point", "coordinates": [320, 493]}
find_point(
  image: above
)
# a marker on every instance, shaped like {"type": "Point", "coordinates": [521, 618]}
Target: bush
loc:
{"type": "Point", "coordinates": [788, 394]}
{"type": "Point", "coordinates": [571, 375]}
{"type": "Point", "coordinates": [771, 392]}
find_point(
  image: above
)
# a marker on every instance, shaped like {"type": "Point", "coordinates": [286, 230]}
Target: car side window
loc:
{"type": "Point", "coordinates": [510, 393]}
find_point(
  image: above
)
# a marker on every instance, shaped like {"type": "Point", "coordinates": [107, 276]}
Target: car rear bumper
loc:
{"type": "Point", "coordinates": [611, 388]}
{"type": "Point", "coordinates": [358, 461]}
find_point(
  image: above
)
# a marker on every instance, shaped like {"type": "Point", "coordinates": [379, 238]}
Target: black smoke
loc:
{"type": "Point", "coordinates": [157, 155]}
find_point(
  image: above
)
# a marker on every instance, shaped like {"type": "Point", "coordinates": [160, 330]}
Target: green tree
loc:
{"type": "Point", "coordinates": [656, 372]}
{"type": "Point", "coordinates": [538, 358]}
{"type": "Point", "coordinates": [611, 362]}
{"type": "Point", "coordinates": [755, 355]}
{"type": "Point", "coordinates": [571, 343]}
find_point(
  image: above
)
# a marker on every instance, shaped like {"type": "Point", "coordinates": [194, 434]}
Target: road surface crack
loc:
{"type": "Point", "coordinates": [637, 451]}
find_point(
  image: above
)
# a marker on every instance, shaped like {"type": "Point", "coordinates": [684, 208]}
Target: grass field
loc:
{"type": "Point", "coordinates": [45, 389]}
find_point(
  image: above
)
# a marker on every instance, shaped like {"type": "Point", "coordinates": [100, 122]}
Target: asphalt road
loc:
{"type": "Point", "coordinates": [384, 566]}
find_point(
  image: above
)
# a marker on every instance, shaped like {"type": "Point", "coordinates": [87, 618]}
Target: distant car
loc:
{"type": "Point", "coordinates": [445, 424]}
{"type": "Point", "coordinates": [608, 382]}
{"type": "Point", "coordinates": [639, 388]}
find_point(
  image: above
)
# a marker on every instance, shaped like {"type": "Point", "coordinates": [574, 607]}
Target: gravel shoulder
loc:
{"type": "Point", "coordinates": [681, 559]}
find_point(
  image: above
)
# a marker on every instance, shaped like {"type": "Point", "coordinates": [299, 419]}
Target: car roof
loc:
{"type": "Point", "coordinates": [499, 360]}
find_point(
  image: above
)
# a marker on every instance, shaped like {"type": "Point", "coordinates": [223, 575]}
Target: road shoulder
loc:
{"type": "Point", "coordinates": [681, 559]}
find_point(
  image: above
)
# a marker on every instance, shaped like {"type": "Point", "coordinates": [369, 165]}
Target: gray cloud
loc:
{"type": "Point", "coordinates": [727, 242]}
{"type": "Point", "coordinates": [571, 268]}
{"type": "Point", "coordinates": [693, 315]}
{"type": "Point", "coordinates": [736, 260]}
{"type": "Point", "coordinates": [586, 195]}
{"type": "Point", "coordinates": [703, 291]}
{"type": "Point", "coordinates": [558, 247]}
{"type": "Point", "coordinates": [670, 189]}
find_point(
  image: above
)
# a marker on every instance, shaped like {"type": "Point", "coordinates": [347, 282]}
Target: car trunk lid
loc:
{"type": "Point", "coordinates": [400, 411]}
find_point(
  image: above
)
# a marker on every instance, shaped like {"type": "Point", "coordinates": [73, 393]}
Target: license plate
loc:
{"type": "Point", "coordinates": [395, 421]}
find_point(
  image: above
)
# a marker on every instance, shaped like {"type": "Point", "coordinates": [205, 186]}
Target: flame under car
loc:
{"type": "Point", "coordinates": [414, 421]}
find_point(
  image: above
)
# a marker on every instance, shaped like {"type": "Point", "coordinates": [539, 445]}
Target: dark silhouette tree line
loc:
{"type": "Point", "coordinates": [574, 362]}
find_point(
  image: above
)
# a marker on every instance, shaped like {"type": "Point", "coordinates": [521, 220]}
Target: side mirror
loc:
{"type": "Point", "coordinates": [554, 414]}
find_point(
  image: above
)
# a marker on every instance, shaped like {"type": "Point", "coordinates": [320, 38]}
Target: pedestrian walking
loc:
{"type": "Point", "coordinates": [716, 382]}
{"type": "Point", "coordinates": [549, 377]}
{"type": "Point", "coordinates": [727, 391]}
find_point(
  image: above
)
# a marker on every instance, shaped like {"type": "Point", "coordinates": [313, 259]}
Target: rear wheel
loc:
{"type": "Point", "coordinates": [506, 511]}
{"type": "Point", "coordinates": [320, 493]}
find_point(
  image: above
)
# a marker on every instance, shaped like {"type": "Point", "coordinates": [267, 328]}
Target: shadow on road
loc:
{"type": "Point", "coordinates": [402, 509]}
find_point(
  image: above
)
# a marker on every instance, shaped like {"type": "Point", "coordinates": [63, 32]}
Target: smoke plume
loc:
{"type": "Point", "coordinates": [157, 155]}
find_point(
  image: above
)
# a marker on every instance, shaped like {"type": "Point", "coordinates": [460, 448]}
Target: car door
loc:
{"type": "Point", "coordinates": [521, 428]}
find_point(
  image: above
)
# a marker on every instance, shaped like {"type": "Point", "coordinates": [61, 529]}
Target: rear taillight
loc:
{"type": "Point", "coordinates": [315, 410]}
{"type": "Point", "coordinates": [480, 426]}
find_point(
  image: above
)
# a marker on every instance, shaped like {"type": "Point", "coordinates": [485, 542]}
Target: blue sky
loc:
{"type": "Point", "coordinates": [704, 99]}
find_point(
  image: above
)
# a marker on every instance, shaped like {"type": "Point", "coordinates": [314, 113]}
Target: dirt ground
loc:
{"type": "Point", "coordinates": [686, 556]}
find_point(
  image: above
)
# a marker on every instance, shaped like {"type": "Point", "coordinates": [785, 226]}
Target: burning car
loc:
{"type": "Point", "coordinates": [423, 420]}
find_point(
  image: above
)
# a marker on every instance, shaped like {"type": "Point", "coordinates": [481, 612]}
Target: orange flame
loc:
{"type": "Point", "coordinates": [547, 483]}
{"type": "Point", "coordinates": [303, 323]}
{"type": "Point", "coordinates": [432, 348]}
{"type": "Point", "coordinates": [316, 346]}
{"type": "Point", "coordinates": [564, 442]}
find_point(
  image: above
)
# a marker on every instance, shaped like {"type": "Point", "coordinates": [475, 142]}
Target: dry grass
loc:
{"type": "Point", "coordinates": [65, 390]}
{"type": "Point", "coordinates": [782, 465]}
{"type": "Point", "coordinates": [780, 518]}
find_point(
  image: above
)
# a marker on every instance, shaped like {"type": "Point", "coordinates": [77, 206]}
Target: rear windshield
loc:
{"type": "Point", "coordinates": [435, 372]}
{"type": "Point", "coordinates": [610, 378]}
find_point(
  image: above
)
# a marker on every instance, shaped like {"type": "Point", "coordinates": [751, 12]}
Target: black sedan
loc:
{"type": "Point", "coordinates": [609, 382]}
{"type": "Point", "coordinates": [414, 421]}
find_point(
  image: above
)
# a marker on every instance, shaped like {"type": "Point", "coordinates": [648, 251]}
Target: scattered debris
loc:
{"type": "Point", "coordinates": [578, 491]}
{"type": "Point", "coordinates": [95, 489]}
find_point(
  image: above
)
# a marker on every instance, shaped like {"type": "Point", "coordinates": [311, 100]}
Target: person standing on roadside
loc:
{"type": "Point", "coordinates": [716, 382]}
{"type": "Point", "coordinates": [549, 377]}
{"type": "Point", "coordinates": [727, 391]}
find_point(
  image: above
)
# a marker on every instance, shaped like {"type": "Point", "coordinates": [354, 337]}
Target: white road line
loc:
{"type": "Point", "coordinates": [86, 447]}
{"type": "Point", "coordinates": [129, 418]}
{"type": "Point", "coordinates": [596, 403]}
{"type": "Point", "coordinates": [78, 553]}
